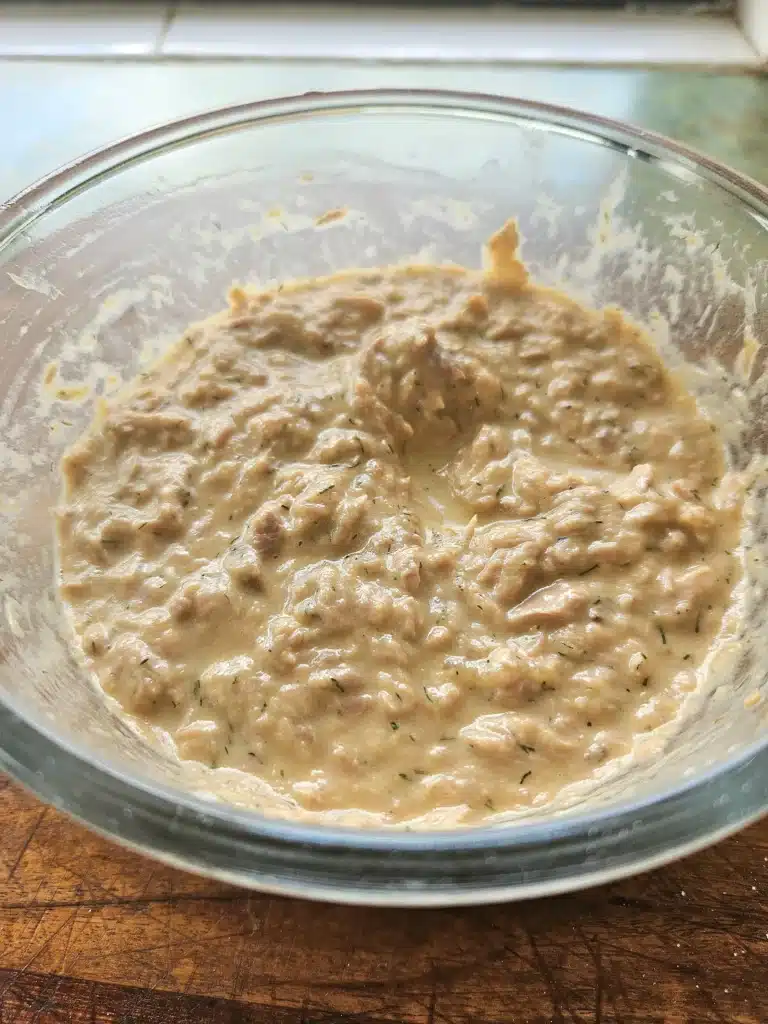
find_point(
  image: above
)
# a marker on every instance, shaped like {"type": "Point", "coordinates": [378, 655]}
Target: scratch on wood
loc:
{"type": "Point", "coordinates": [556, 998]}
{"type": "Point", "coordinates": [27, 841]}
{"type": "Point", "coordinates": [129, 902]}
{"type": "Point", "coordinates": [432, 1000]}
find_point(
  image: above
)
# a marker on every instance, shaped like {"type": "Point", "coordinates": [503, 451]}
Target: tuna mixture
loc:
{"type": "Point", "coordinates": [403, 541]}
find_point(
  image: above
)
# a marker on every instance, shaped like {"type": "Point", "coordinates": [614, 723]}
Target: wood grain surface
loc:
{"type": "Point", "coordinates": [92, 933]}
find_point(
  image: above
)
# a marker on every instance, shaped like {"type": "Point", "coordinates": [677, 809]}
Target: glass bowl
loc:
{"type": "Point", "coordinates": [108, 258]}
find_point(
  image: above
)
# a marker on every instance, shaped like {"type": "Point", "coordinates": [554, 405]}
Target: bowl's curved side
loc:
{"type": "Point", "coordinates": [467, 867]}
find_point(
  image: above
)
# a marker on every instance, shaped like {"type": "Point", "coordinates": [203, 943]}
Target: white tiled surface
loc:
{"type": "Point", "coordinates": [480, 35]}
{"type": "Point", "coordinates": [81, 30]}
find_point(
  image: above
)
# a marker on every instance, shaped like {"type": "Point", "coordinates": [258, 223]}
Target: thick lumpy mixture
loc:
{"type": "Point", "coordinates": [402, 540]}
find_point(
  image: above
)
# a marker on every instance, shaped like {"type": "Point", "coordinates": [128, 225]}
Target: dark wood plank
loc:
{"type": "Point", "coordinates": [89, 929]}
{"type": "Point", "coordinates": [30, 998]}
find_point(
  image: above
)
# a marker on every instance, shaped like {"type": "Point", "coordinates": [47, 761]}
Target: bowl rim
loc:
{"type": "Point", "coordinates": [90, 166]}
{"type": "Point", "coordinates": [180, 817]}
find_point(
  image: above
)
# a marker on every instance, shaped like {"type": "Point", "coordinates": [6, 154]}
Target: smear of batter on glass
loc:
{"type": "Point", "coordinates": [403, 539]}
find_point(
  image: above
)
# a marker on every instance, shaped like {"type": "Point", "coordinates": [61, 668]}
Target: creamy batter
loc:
{"type": "Point", "coordinates": [403, 539]}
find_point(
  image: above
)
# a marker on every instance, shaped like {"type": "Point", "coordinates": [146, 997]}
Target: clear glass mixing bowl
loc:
{"type": "Point", "coordinates": [111, 255]}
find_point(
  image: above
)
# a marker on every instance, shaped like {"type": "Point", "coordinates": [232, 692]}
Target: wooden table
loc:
{"type": "Point", "coordinates": [92, 933]}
